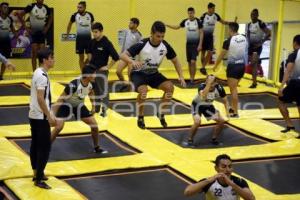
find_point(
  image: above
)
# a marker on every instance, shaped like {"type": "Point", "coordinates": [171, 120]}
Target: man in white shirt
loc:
{"type": "Point", "coordinates": [223, 185]}
{"type": "Point", "coordinates": [40, 117]}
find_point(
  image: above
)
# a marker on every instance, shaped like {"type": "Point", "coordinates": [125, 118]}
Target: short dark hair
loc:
{"type": "Point", "coordinates": [234, 26]}
{"type": "Point", "coordinates": [158, 26]}
{"type": "Point", "coordinates": [44, 54]}
{"type": "Point", "coordinates": [191, 9]}
{"type": "Point", "coordinates": [255, 10]}
{"type": "Point", "coordinates": [88, 69]}
{"type": "Point", "coordinates": [211, 5]}
{"type": "Point", "coordinates": [98, 26]}
{"type": "Point", "coordinates": [4, 3]}
{"type": "Point", "coordinates": [297, 39]}
{"type": "Point", "coordinates": [220, 157]}
{"type": "Point", "coordinates": [135, 21]}
{"type": "Point", "coordinates": [82, 3]}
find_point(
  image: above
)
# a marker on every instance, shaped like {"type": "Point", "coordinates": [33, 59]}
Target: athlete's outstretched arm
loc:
{"type": "Point", "coordinates": [175, 27]}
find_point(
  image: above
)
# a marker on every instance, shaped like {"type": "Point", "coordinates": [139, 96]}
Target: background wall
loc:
{"type": "Point", "coordinates": [115, 14]}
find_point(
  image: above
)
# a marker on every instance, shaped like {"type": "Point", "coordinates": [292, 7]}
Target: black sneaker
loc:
{"type": "Point", "coordinates": [203, 71]}
{"type": "Point", "coordinates": [99, 150]}
{"type": "Point", "coordinates": [231, 111]}
{"type": "Point", "coordinates": [45, 178]}
{"type": "Point", "coordinates": [287, 129]}
{"type": "Point", "coordinates": [103, 113]}
{"type": "Point", "coordinates": [253, 85]}
{"type": "Point", "coordinates": [215, 142]}
{"type": "Point", "coordinates": [232, 115]}
{"type": "Point", "coordinates": [42, 185]}
{"type": "Point", "coordinates": [189, 143]}
{"type": "Point", "coordinates": [162, 120]}
{"type": "Point", "coordinates": [141, 123]}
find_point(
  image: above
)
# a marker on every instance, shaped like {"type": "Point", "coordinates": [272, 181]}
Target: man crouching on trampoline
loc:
{"type": "Point", "coordinates": [202, 105]}
{"type": "Point", "coordinates": [71, 101]}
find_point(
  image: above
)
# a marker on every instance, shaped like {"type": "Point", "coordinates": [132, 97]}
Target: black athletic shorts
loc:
{"type": "Point", "coordinates": [208, 42]}
{"type": "Point", "coordinates": [291, 93]}
{"type": "Point", "coordinates": [191, 51]}
{"type": "Point", "coordinates": [207, 110]}
{"type": "Point", "coordinates": [153, 80]}
{"type": "Point", "coordinates": [82, 44]}
{"type": "Point", "coordinates": [38, 37]}
{"type": "Point", "coordinates": [67, 110]}
{"type": "Point", "coordinates": [235, 71]}
{"type": "Point", "coordinates": [5, 48]}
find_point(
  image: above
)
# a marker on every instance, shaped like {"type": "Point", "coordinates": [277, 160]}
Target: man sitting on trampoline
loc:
{"type": "Point", "coordinates": [223, 185]}
{"type": "Point", "coordinates": [202, 105]}
{"type": "Point", "coordinates": [71, 102]}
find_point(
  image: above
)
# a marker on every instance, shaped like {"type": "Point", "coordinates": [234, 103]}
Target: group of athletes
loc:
{"type": "Point", "coordinates": [143, 57]}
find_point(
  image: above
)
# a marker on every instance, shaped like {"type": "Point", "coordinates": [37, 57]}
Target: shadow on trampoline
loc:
{"type": "Point", "coordinates": [81, 147]}
{"type": "Point", "coordinates": [229, 137]}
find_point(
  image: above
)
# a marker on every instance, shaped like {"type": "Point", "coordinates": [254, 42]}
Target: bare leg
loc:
{"type": "Point", "coordinates": [254, 63]}
{"type": "Point", "coordinates": [94, 129]}
{"type": "Point", "coordinates": [168, 89]}
{"type": "Point", "coordinates": [233, 83]}
{"type": "Point", "coordinates": [285, 113]}
{"type": "Point", "coordinates": [34, 49]}
{"type": "Point", "coordinates": [194, 127]}
{"type": "Point", "coordinates": [81, 61]}
{"type": "Point", "coordinates": [121, 66]}
{"type": "Point", "coordinates": [142, 90]}
{"type": "Point", "coordinates": [218, 128]}
{"type": "Point", "coordinates": [192, 69]}
{"type": "Point", "coordinates": [207, 58]}
{"type": "Point", "coordinates": [57, 129]}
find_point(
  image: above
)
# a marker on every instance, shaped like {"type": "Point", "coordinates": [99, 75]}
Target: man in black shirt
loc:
{"type": "Point", "coordinates": [99, 50]}
{"type": "Point", "coordinates": [144, 70]}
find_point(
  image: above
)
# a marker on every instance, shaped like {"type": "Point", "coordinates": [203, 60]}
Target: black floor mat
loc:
{"type": "Point", "coordinates": [147, 185]}
{"type": "Point", "coordinates": [14, 90]}
{"type": "Point", "coordinates": [229, 137]}
{"type": "Point", "coordinates": [278, 176]}
{"type": "Point", "coordinates": [80, 147]}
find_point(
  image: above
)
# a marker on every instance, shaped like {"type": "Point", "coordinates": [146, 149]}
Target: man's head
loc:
{"type": "Point", "coordinates": [89, 72]}
{"type": "Point", "coordinates": [4, 8]}
{"type": "Point", "coordinates": [211, 8]}
{"type": "Point", "coordinates": [134, 23]}
{"type": "Point", "coordinates": [97, 29]}
{"type": "Point", "coordinates": [296, 42]}
{"type": "Point", "coordinates": [158, 31]}
{"type": "Point", "coordinates": [191, 12]}
{"type": "Point", "coordinates": [254, 15]}
{"type": "Point", "coordinates": [223, 164]}
{"type": "Point", "coordinates": [40, 2]}
{"type": "Point", "coordinates": [81, 7]}
{"type": "Point", "coordinates": [212, 79]}
{"type": "Point", "coordinates": [45, 57]}
{"type": "Point", "coordinates": [233, 28]}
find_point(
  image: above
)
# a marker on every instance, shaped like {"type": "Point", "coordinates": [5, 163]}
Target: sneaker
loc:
{"type": "Point", "coordinates": [42, 185]}
{"type": "Point", "coordinates": [45, 178]}
{"type": "Point", "coordinates": [189, 143]}
{"type": "Point", "coordinates": [103, 113]}
{"type": "Point", "coordinates": [162, 120]}
{"type": "Point", "coordinates": [232, 115]}
{"type": "Point", "coordinates": [215, 142]}
{"type": "Point", "coordinates": [253, 85]}
{"type": "Point", "coordinates": [203, 71]}
{"type": "Point", "coordinates": [231, 111]}
{"type": "Point", "coordinates": [99, 150]}
{"type": "Point", "coordinates": [141, 123]}
{"type": "Point", "coordinates": [287, 129]}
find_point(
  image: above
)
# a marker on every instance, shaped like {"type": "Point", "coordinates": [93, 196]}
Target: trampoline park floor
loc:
{"type": "Point", "coordinates": [81, 147]}
{"type": "Point", "coordinates": [229, 137]}
{"type": "Point", "coordinates": [140, 165]}
{"type": "Point", "coordinates": [281, 122]}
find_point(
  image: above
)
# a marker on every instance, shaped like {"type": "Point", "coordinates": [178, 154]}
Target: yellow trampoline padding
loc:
{"type": "Point", "coordinates": [24, 189]}
{"type": "Point", "coordinates": [16, 81]}
{"type": "Point", "coordinates": [73, 127]}
{"type": "Point", "coordinates": [14, 100]}
{"type": "Point", "coordinates": [273, 113]}
{"type": "Point", "coordinates": [77, 167]}
{"type": "Point", "coordinates": [263, 128]}
{"type": "Point", "coordinates": [13, 161]}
